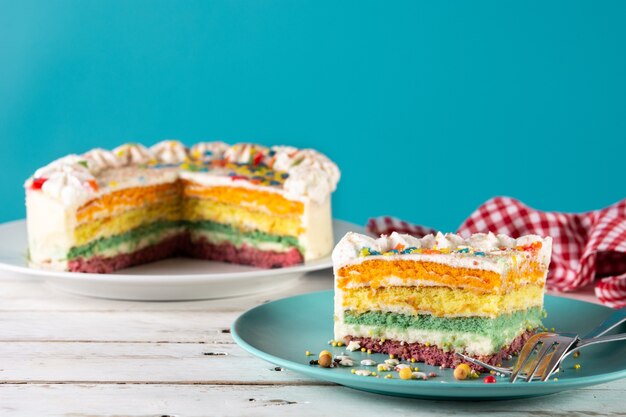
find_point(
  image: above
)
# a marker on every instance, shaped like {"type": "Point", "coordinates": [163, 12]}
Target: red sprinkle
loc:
{"type": "Point", "coordinates": [38, 183]}
{"type": "Point", "coordinates": [94, 185]}
{"type": "Point", "coordinates": [489, 379]}
{"type": "Point", "coordinates": [257, 158]}
{"type": "Point", "coordinates": [238, 177]}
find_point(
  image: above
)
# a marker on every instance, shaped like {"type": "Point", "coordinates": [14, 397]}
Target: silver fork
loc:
{"type": "Point", "coordinates": [563, 343]}
{"type": "Point", "coordinates": [615, 319]}
{"type": "Point", "coordinates": [552, 347]}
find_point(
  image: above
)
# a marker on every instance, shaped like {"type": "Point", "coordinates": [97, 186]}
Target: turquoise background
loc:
{"type": "Point", "coordinates": [429, 108]}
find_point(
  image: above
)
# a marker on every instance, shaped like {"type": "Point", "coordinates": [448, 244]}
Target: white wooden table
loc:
{"type": "Point", "coordinates": [66, 355]}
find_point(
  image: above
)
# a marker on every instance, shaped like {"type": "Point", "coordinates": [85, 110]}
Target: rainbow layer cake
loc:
{"type": "Point", "coordinates": [427, 298]}
{"type": "Point", "coordinates": [249, 204]}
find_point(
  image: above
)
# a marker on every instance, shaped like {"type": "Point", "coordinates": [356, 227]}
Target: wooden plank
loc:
{"type": "Point", "coordinates": [271, 400]}
{"type": "Point", "coordinates": [118, 326]}
{"type": "Point", "coordinates": [137, 363]}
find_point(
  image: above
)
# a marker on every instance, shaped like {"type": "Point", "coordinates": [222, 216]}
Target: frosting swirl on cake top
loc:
{"type": "Point", "coordinates": [355, 247]}
{"type": "Point", "coordinates": [76, 179]}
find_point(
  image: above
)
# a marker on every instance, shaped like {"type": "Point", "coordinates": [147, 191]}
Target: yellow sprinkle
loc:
{"type": "Point", "coordinates": [364, 252]}
{"type": "Point", "coordinates": [382, 340]}
{"type": "Point", "coordinates": [113, 183]}
{"type": "Point", "coordinates": [388, 376]}
{"type": "Point", "coordinates": [405, 373]}
{"type": "Point", "coordinates": [308, 353]}
{"type": "Point", "coordinates": [416, 369]}
{"type": "Point", "coordinates": [555, 379]}
{"type": "Point", "coordinates": [392, 356]}
{"type": "Point", "coordinates": [339, 343]}
{"type": "Point", "coordinates": [373, 373]}
{"type": "Point", "coordinates": [334, 344]}
{"type": "Point", "coordinates": [369, 351]}
{"type": "Point", "coordinates": [577, 366]}
{"type": "Point", "coordinates": [576, 354]}
{"type": "Point", "coordinates": [363, 349]}
{"type": "Point", "coordinates": [427, 344]}
{"type": "Point", "coordinates": [552, 329]}
{"type": "Point", "coordinates": [413, 360]}
{"type": "Point", "coordinates": [353, 371]}
{"type": "Point", "coordinates": [492, 372]}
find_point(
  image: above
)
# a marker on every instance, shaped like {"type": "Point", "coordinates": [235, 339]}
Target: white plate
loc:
{"type": "Point", "coordinates": [170, 279]}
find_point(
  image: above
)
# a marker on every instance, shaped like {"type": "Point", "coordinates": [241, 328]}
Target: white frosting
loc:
{"type": "Point", "coordinates": [404, 240]}
{"type": "Point", "coordinates": [169, 152]}
{"type": "Point", "coordinates": [99, 159]}
{"type": "Point", "coordinates": [459, 252]}
{"type": "Point", "coordinates": [208, 151]}
{"type": "Point", "coordinates": [70, 185]}
{"type": "Point", "coordinates": [308, 174]}
{"type": "Point", "coordinates": [484, 242]}
{"type": "Point", "coordinates": [133, 154]}
{"type": "Point", "coordinates": [58, 164]}
{"type": "Point", "coordinates": [243, 153]}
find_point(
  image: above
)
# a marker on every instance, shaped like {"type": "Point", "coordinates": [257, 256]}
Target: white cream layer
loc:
{"type": "Point", "coordinates": [490, 246]}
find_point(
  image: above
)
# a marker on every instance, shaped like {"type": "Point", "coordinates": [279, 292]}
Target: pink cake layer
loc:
{"type": "Point", "coordinates": [245, 255]}
{"type": "Point", "coordinates": [182, 246]}
{"type": "Point", "coordinates": [433, 355]}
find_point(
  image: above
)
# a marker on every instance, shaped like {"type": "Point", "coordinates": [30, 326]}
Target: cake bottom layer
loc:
{"type": "Point", "coordinates": [434, 355]}
{"type": "Point", "coordinates": [182, 245]}
{"type": "Point", "coordinates": [104, 265]}
{"type": "Point", "coordinates": [244, 254]}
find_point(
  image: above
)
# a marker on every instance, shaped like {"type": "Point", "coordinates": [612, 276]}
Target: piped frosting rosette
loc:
{"type": "Point", "coordinates": [302, 172]}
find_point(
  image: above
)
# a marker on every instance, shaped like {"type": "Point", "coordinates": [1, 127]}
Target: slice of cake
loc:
{"type": "Point", "coordinates": [431, 297]}
{"type": "Point", "coordinates": [246, 203]}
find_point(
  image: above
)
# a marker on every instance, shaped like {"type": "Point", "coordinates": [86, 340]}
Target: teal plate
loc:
{"type": "Point", "coordinates": [282, 331]}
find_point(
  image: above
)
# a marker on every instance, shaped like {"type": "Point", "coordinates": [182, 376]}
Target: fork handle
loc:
{"type": "Point", "coordinates": [615, 319]}
{"type": "Point", "coordinates": [600, 339]}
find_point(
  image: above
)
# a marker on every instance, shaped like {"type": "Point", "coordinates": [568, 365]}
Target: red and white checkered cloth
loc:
{"type": "Point", "coordinates": [586, 247]}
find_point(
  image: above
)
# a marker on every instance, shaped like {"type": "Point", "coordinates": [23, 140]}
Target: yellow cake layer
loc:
{"type": "Point", "coordinates": [126, 221]}
{"type": "Point", "coordinates": [119, 201]}
{"type": "Point", "coordinates": [241, 218]}
{"type": "Point", "coordinates": [374, 272]}
{"type": "Point", "coordinates": [264, 201]}
{"type": "Point", "coordinates": [440, 301]}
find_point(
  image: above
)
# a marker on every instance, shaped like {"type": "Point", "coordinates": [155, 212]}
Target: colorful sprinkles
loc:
{"type": "Point", "coordinates": [462, 250]}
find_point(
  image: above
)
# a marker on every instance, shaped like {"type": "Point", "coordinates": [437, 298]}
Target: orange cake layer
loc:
{"type": "Point", "coordinates": [375, 272]}
{"type": "Point", "coordinates": [118, 201]}
{"type": "Point", "coordinates": [269, 202]}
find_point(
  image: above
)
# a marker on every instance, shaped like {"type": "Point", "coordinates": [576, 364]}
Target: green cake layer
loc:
{"type": "Point", "coordinates": [152, 233]}
{"type": "Point", "coordinates": [500, 329]}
